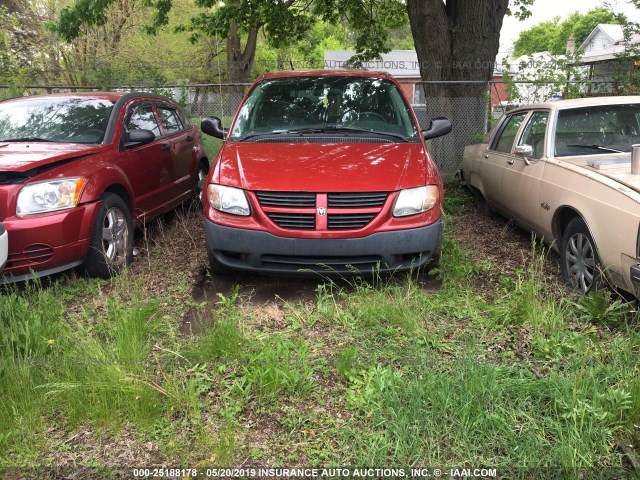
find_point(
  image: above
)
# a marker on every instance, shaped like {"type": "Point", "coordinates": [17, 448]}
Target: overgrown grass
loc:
{"type": "Point", "coordinates": [520, 374]}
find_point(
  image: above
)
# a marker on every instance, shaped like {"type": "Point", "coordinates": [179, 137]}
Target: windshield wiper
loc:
{"type": "Point", "coordinates": [27, 139]}
{"type": "Point", "coordinates": [597, 147]}
{"type": "Point", "coordinates": [258, 134]}
{"type": "Point", "coordinates": [339, 128]}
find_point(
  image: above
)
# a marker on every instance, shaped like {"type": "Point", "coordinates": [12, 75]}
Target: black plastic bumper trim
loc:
{"type": "Point", "coordinates": [255, 250]}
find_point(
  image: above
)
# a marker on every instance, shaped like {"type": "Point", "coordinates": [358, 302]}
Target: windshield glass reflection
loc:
{"type": "Point", "coordinates": [55, 120]}
{"type": "Point", "coordinates": [281, 105]}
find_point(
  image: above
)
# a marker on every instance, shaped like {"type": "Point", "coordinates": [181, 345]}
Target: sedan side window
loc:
{"type": "Point", "coordinates": [504, 142]}
{"type": "Point", "coordinates": [170, 119]}
{"type": "Point", "coordinates": [534, 133]}
{"type": "Point", "coordinates": [143, 118]}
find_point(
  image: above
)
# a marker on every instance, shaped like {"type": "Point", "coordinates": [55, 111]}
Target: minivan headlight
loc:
{"type": "Point", "coordinates": [416, 200]}
{"type": "Point", "coordinates": [49, 196]}
{"type": "Point", "coordinates": [228, 199]}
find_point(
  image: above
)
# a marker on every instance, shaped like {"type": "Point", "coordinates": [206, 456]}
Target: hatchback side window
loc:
{"type": "Point", "coordinates": [183, 119]}
{"type": "Point", "coordinates": [170, 119]}
{"type": "Point", "coordinates": [505, 139]}
{"type": "Point", "coordinates": [534, 133]}
{"type": "Point", "coordinates": [143, 118]}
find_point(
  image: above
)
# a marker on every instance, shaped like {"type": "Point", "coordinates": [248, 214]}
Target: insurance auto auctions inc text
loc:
{"type": "Point", "coordinates": [351, 473]}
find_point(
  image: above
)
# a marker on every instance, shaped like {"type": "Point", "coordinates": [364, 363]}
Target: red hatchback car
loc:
{"type": "Point", "coordinates": [77, 170]}
{"type": "Point", "coordinates": [323, 171]}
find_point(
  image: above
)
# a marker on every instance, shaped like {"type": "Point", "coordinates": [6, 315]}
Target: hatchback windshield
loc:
{"type": "Point", "coordinates": [597, 129]}
{"type": "Point", "coordinates": [73, 120]}
{"type": "Point", "coordinates": [317, 104]}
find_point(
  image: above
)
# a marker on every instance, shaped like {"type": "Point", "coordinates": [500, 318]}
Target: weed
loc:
{"type": "Point", "coordinates": [279, 366]}
{"type": "Point", "coordinates": [228, 301]}
{"type": "Point", "coordinates": [597, 307]}
{"type": "Point", "coordinates": [454, 200]}
{"type": "Point", "coordinates": [223, 340]}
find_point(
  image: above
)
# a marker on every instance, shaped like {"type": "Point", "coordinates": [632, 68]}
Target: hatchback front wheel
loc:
{"type": "Point", "coordinates": [111, 246]}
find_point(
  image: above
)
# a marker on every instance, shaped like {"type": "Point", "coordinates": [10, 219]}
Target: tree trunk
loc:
{"type": "Point", "coordinates": [239, 60]}
{"type": "Point", "coordinates": [456, 40]}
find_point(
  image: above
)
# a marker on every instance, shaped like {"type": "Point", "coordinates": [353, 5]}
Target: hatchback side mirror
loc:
{"type": "Point", "coordinates": [438, 127]}
{"type": "Point", "coordinates": [136, 138]}
{"type": "Point", "coordinates": [213, 126]}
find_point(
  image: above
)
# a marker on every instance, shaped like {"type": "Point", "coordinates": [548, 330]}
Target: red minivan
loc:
{"type": "Point", "coordinates": [323, 172]}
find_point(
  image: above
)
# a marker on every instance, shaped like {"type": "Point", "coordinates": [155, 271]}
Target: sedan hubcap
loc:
{"type": "Point", "coordinates": [580, 262]}
{"type": "Point", "coordinates": [115, 236]}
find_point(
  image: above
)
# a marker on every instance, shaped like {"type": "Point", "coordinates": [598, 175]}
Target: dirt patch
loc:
{"type": "Point", "coordinates": [172, 260]}
{"type": "Point", "coordinates": [501, 242]}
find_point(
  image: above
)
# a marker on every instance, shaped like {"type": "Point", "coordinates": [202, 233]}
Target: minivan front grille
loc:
{"type": "Point", "coordinates": [349, 221]}
{"type": "Point", "coordinates": [287, 199]}
{"type": "Point", "coordinates": [356, 199]}
{"type": "Point", "coordinates": [307, 210]}
{"type": "Point", "coordinates": [304, 221]}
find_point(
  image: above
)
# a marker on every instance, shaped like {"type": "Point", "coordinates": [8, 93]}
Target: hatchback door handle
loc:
{"type": "Point", "coordinates": [510, 161]}
{"type": "Point", "coordinates": [165, 147]}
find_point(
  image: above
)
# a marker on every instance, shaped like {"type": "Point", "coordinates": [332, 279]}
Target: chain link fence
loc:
{"type": "Point", "coordinates": [471, 116]}
{"type": "Point", "coordinates": [468, 115]}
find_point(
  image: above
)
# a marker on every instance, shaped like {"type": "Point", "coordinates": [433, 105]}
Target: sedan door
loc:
{"type": "Point", "coordinates": [522, 175]}
{"type": "Point", "coordinates": [497, 157]}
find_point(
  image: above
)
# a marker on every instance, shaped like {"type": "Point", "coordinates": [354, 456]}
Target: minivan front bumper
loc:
{"type": "Point", "coordinates": [260, 251]}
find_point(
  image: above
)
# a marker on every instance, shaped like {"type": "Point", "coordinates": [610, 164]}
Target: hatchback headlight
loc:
{"type": "Point", "coordinates": [228, 199]}
{"type": "Point", "coordinates": [49, 196]}
{"type": "Point", "coordinates": [416, 200]}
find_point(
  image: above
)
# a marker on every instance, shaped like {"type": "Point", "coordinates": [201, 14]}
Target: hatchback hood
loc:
{"type": "Point", "coordinates": [24, 156]}
{"type": "Point", "coordinates": [331, 167]}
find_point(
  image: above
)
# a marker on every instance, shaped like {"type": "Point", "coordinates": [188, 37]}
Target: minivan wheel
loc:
{"type": "Point", "coordinates": [111, 247]}
{"type": "Point", "coordinates": [580, 263]}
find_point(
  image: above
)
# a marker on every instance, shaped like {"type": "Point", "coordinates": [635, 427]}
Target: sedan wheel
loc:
{"type": "Point", "coordinates": [580, 264]}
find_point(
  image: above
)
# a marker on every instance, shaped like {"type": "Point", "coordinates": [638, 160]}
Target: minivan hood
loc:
{"type": "Point", "coordinates": [23, 156]}
{"type": "Point", "coordinates": [330, 167]}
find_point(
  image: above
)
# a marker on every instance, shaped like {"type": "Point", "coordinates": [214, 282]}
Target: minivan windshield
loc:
{"type": "Point", "coordinates": [69, 120]}
{"type": "Point", "coordinates": [304, 105]}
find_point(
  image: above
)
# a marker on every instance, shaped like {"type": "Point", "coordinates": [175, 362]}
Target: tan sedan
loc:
{"type": "Point", "coordinates": [563, 170]}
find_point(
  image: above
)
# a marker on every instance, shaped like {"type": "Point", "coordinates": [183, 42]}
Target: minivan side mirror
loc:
{"type": "Point", "coordinates": [438, 127]}
{"type": "Point", "coordinates": [136, 138]}
{"type": "Point", "coordinates": [213, 126]}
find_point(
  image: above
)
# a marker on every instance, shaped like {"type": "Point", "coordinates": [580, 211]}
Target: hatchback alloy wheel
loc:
{"type": "Point", "coordinates": [115, 237]}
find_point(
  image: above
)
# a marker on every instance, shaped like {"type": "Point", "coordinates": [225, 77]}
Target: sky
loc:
{"type": "Point", "coordinates": [543, 10]}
